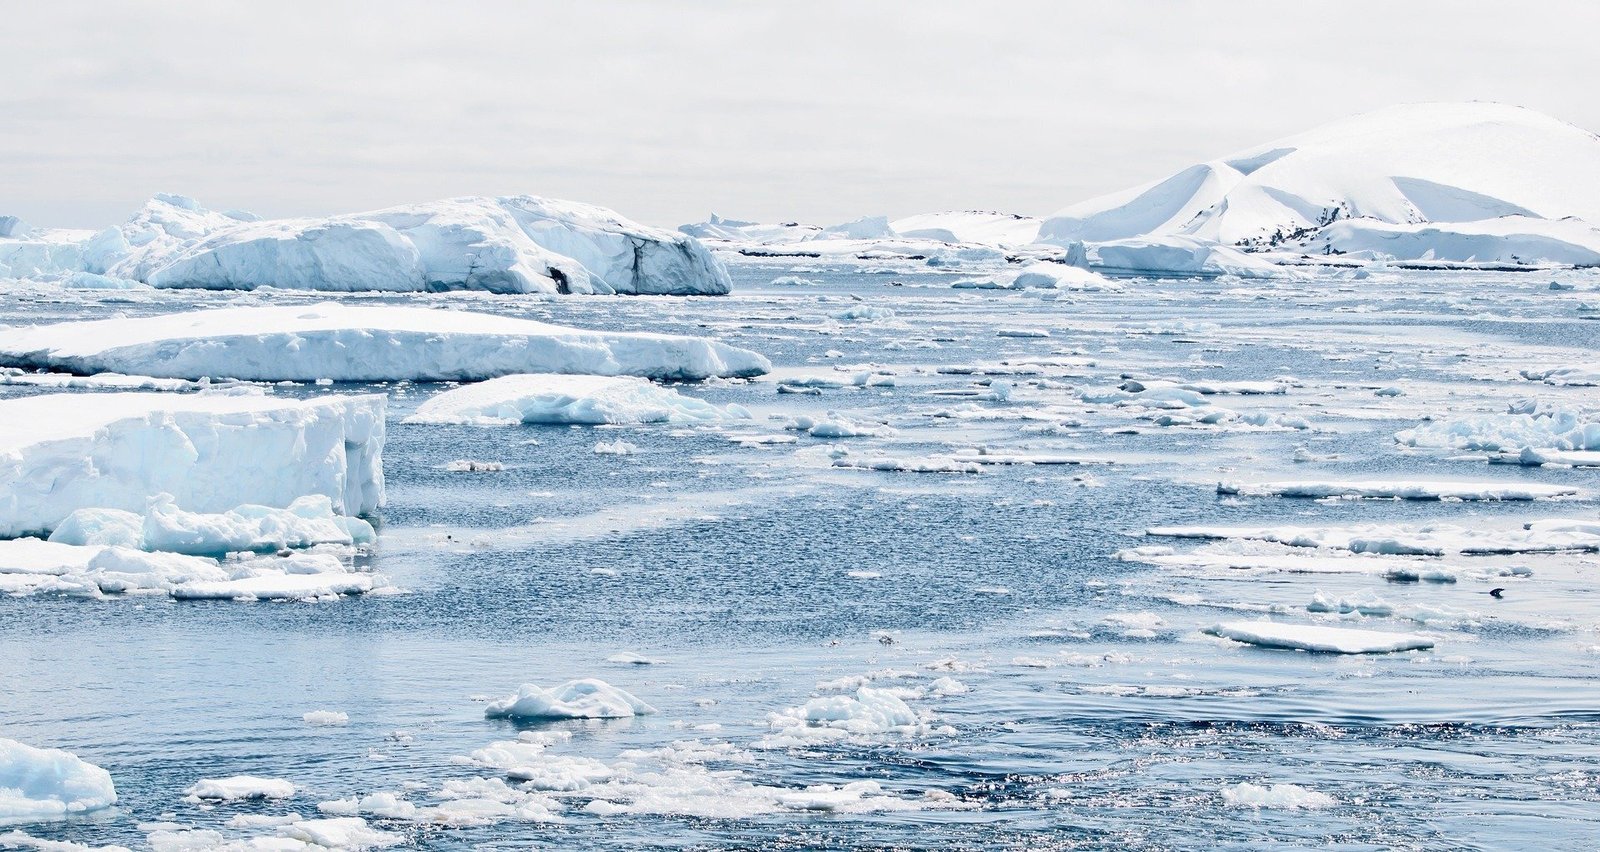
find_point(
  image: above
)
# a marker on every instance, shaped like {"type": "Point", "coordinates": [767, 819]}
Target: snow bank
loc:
{"type": "Point", "coordinates": [1576, 375]}
{"type": "Point", "coordinates": [212, 453]}
{"type": "Point", "coordinates": [577, 699]}
{"type": "Point", "coordinates": [550, 398]}
{"type": "Point", "coordinates": [1327, 640]}
{"type": "Point", "coordinates": [1401, 490]}
{"type": "Point", "coordinates": [39, 784]}
{"type": "Point", "coordinates": [239, 787]}
{"type": "Point", "coordinates": [363, 344]}
{"type": "Point", "coordinates": [308, 521]}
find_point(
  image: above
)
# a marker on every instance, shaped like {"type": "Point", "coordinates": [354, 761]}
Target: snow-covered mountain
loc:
{"type": "Point", "coordinates": [512, 244]}
{"type": "Point", "coordinates": [1404, 166]}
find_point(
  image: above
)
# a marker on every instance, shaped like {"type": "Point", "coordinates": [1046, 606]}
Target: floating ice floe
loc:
{"type": "Point", "coordinates": [1577, 375]}
{"type": "Point", "coordinates": [306, 522]}
{"type": "Point", "coordinates": [1528, 425]}
{"type": "Point", "coordinates": [1274, 558]}
{"type": "Point", "coordinates": [32, 566]}
{"type": "Point", "coordinates": [63, 452]}
{"type": "Point", "coordinates": [1285, 796]}
{"type": "Point", "coordinates": [1443, 490]}
{"type": "Point", "coordinates": [40, 784]}
{"type": "Point", "coordinates": [870, 711]}
{"type": "Point", "coordinates": [99, 381]}
{"type": "Point", "coordinates": [588, 698]}
{"type": "Point", "coordinates": [835, 425]}
{"type": "Point", "coordinates": [326, 718]}
{"type": "Point", "coordinates": [239, 788]}
{"type": "Point", "coordinates": [362, 344]}
{"type": "Point", "coordinates": [566, 399]}
{"type": "Point", "coordinates": [1315, 638]}
{"type": "Point", "coordinates": [287, 833]}
{"type": "Point", "coordinates": [1410, 539]}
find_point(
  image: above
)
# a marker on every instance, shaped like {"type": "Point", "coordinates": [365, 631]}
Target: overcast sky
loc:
{"type": "Point", "coordinates": [667, 112]}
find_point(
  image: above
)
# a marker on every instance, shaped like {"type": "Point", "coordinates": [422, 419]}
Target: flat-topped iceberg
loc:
{"type": "Point", "coordinates": [363, 344]}
{"type": "Point", "coordinates": [63, 452]}
{"type": "Point", "coordinates": [38, 784]}
{"type": "Point", "coordinates": [507, 244]}
{"type": "Point", "coordinates": [551, 398]}
{"type": "Point", "coordinates": [1326, 640]}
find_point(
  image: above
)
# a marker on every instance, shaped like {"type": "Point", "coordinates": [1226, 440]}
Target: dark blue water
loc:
{"type": "Point", "coordinates": [732, 564]}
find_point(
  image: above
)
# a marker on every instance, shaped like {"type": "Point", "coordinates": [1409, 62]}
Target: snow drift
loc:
{"type": "Point", "coordinates": [362, 344]}
{"type": "Point", "coordinates": [63, 452]}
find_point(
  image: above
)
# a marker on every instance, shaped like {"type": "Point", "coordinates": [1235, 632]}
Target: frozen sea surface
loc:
{"type": "Point", "coordinates": [731, 573]}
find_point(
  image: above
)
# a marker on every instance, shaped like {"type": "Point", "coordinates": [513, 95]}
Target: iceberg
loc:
{"type": "Point", "coordinates": [39, 784]}
{"type": "Point", "coordinates": [60, 453]}
{"type": "Point", "coordinates": [507, 244]}
{"type": "Point", "coordinates": [362, 344]}
{"type": "Point", "coordinates": [1327, 640]}
{"type": "Point", "coordinates": [556, 399]}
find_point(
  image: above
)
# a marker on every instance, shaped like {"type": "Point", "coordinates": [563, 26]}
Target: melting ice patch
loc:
{"type": "Point", "coordinates": [39, 784]}
{"type": "Point", "coordinates": [1287, 796]}
{"type": "Point", "coordinates": [239, 787]}
{"type": "Point", "coordinates": [567, 399]}
{"type": "Point", "coordinates": [588, 698]}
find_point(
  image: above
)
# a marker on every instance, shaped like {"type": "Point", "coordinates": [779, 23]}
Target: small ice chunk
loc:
{"type": "Point", "coordinates": [326, 718]}
{"type": "Point", "coordinates": [588, 698]}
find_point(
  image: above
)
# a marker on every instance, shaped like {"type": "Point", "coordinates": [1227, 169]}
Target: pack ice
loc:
{"type": "Point", "coordinates": [60, 453]}
{"type": "Point", "coordinates": [508, 244]}
{"type": "Point", "coordinates": [363, 344]}
{"type": "Point", "coordinates": [38, 784]}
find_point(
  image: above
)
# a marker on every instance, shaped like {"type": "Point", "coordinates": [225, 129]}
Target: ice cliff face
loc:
{"type": "Point", "coordinates": [513, 244]}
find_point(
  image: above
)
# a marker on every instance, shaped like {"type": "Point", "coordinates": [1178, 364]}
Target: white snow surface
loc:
{"type": "Point", "coordinates": [588, 698]}
{"type": "Point", "coordinates": [554, 399]}
{"type": "Point", "coordinates": [507, 244]}
{"type": "Point", "coordinates": [1315, 638]}
{"type": "Point", "coordinates": [1403, 165]}
{"type": "Point", "coordinates": [362, 344]}
{"type": "Point", "coordinates": [39, 784]}
{"type": "Point", "coordinates": [212, 453]}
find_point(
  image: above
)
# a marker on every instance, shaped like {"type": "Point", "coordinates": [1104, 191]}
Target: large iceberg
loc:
{"type": "Point", "coordinates": [363, 344]}
{"type": "Point", "coordinates": [1403, 166]}
{"type": "Point", "coordinates": [508, 244]}
{"type": "Point", "coordinates": [63, 452]}
{"type": "Point", "coordinates": [45, 783]}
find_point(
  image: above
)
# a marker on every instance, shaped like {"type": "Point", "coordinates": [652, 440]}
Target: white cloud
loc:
{"type": "Point", "coordinates": [667, 111]}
